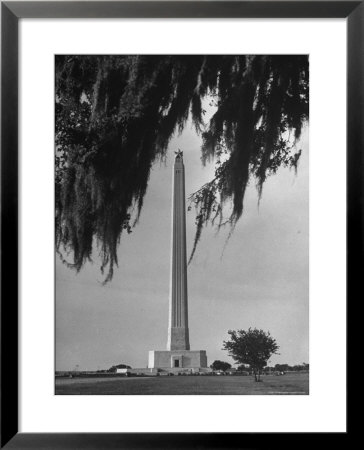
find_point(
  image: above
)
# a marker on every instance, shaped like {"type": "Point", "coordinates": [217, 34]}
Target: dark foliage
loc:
{"type": "Point", "coordinates": [113, 369]}
{"type": "Point", "coordinates": [115, 116]}
{"type": "Point", "coordinates": [253, 347]}
{"type": "Point", "coordinates": [220, 365]}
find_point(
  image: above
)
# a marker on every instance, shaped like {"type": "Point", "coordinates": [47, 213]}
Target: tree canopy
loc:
{"type": "Point", "coordinates": [115, 116]}
{"type": "Point", "coordinates": [253, 347]}
{"type": "Point", "coordinates": [220, 365]}
{"type": "Point", "coordinates": [118, 366]}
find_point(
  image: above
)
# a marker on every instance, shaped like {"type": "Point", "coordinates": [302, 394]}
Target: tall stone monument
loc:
{"type": "Point", "coordinates": [178, 353]}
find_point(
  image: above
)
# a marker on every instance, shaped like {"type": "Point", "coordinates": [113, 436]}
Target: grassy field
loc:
{"type": "Point", "coordinates": [291, 384]}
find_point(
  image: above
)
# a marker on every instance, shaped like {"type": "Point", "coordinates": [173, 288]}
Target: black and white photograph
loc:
{"type": "Point", "coordinates": [181, 224]}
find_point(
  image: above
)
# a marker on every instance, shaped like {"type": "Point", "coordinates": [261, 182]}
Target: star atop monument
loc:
{"type": "Point", "coordinates": [178, 154]}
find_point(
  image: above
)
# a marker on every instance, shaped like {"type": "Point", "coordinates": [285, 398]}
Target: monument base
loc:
{"type": "Point", "coordinates": [175, 359]}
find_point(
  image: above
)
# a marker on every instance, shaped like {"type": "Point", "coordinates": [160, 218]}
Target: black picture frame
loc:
{"type": "Point", "coordinates": [11, 12]}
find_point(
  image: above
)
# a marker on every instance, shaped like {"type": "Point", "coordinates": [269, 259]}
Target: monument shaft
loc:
{"type": "Point", "coordinates": [178, 355]}
{"type": "Point", "coordinates": [178, 336]}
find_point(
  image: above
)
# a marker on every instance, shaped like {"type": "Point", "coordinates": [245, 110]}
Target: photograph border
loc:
{"type": "Point", "coordinates": [11, 12]}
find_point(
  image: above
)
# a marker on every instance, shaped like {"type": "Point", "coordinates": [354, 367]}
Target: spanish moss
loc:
{"type": "Point", "coordinates": [115, 117]}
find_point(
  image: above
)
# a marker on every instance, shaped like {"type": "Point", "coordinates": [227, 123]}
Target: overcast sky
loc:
{"type": "Point", "coordinates": [259, 280]}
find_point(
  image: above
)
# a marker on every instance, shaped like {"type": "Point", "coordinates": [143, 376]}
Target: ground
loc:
{"type": "Point", "coordinates": [291, 384]}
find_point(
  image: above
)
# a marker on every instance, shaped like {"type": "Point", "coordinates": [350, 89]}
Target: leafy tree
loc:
{"type": "Point", "coordinates": [243, 367]}
{"type": "Point", "coordinates": [115, 116]}
{"type": "Point", "coordinates": [282, 367]}
{"type": "Point", "coordinates": [220, 365]}
{"type": "Point", "coordinates": [119, 366]}
{"type": "Point", "coordinates": [253, 347]}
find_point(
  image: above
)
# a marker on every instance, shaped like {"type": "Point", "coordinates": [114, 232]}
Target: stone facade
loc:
{"type": "Point", "coordinates": [177, 359]}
